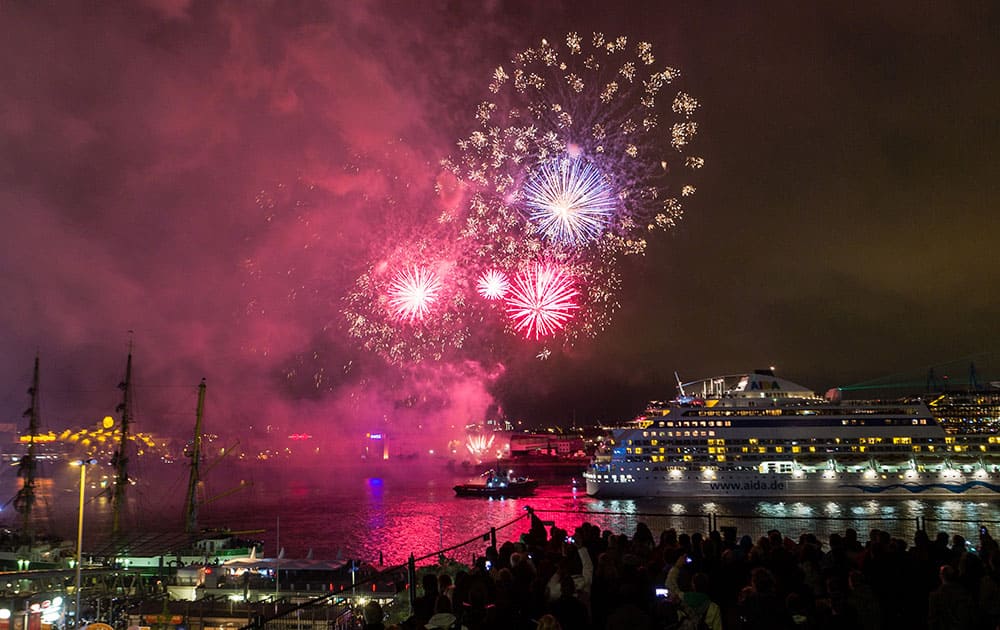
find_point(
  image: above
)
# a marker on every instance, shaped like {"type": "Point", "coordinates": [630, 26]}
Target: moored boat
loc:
{"type": "Point", "coordinates": [495, 486]}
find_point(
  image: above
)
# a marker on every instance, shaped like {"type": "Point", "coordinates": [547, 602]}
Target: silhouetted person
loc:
{"type": "Point", "coordinates": [423, 606]}
{"type": "Point", "coordinates": [569, 610]}
{"type": "Point", "coordinates": [950, 607]}
{"type": "Point", "coordinates": [699, 604]}
{"type": "Point", "coordinates": [760, 607]}
{"type": "Point", "coordinates": [372, 614]}
{"type": "Point", "coordinates": [548, 622]}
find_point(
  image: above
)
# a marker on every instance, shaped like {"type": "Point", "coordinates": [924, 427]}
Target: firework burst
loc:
{"type": "Point", "coordinates": [412, 293]}
{"type": "Point", "coordinates": [600, 104]}
{"type": "Point", "coordinates": [569, 201]}
{"type": "Point", "coordinates": [493, 284]}
{"type": "Point", "coordinates": [479, 445]}
{"type": "Point", "coordinates": [410, 304]}
{"type": "Point", "coordinates": [541, 301]}
{"type": "Point", "coordinates": [582, 151]}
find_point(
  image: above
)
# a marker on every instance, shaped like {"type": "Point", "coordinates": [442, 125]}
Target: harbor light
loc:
{"type": "Point", "coordinates": [82, 463]}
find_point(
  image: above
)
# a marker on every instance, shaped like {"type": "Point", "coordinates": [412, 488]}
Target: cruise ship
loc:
{"type": "Point", "coordinates": [758, 435]}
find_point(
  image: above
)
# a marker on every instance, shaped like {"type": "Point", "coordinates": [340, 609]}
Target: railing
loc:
{"type": "Point", "coordinates": [334, 611]}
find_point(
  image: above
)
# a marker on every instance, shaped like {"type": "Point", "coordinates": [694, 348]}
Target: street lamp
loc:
{"type": "Point", "coordinates": [82, 463]}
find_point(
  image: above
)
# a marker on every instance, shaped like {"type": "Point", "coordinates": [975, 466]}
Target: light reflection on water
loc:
{"type": "Point", "coordinates": [398, 516]}
{"type": "Point", "coordinates": [416, 511]}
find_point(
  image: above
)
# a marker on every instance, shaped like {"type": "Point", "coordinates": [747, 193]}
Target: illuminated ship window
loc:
{"type": "Point", "coordinates": [796, 449]}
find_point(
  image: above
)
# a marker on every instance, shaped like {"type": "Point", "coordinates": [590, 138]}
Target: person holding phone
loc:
{"type": "Point", "coordinates": [679, 570]}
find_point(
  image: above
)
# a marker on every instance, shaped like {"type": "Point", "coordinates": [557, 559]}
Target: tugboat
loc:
{"type": "Point", "coordinates": [496, 486]}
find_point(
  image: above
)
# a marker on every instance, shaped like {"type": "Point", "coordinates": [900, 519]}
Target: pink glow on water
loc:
{"type": "Point", "coordinates": [541, 301]}
{"type": "Point", "coordinates": [413, 292]}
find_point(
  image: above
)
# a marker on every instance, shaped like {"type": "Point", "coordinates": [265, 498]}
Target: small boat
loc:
{"type": "Point", "coordinates": [496, 486]}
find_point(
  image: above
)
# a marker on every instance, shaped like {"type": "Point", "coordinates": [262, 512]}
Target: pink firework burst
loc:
{"type": "Point", "coordinates": [493, 284]}
{"type": "Point", "coordinates": [412, 293]}
{"type": "Point", "coordinates": [541, 301]}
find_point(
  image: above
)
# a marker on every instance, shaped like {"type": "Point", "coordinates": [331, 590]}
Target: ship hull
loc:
{"type": "Point", "coordinates": [749, 484]}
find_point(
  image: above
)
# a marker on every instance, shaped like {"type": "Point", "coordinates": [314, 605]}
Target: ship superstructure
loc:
{"type": "Point", "coordinates": [759, 435]}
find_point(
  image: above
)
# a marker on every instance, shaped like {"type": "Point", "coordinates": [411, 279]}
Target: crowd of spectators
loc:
{"type": "Point", "coordinates": [600, 580]}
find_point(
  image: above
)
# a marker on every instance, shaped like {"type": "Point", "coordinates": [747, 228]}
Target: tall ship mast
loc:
{"type": "Point", "coordinates": [191, 505]}
{"type": "Point", "coordinates": [120, 460]}
{"type": "Point", "coordinates": [25, 499]}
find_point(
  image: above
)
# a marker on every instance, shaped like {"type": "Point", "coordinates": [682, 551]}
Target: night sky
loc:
{"type": "Point", "coordinates": [213, 176]}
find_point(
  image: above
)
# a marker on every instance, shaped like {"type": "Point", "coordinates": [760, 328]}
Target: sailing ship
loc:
{"type": "Point", "coordinates": [25, 546]}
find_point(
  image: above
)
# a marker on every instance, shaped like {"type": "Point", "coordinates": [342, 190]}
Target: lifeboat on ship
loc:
{"type": "Point", "coordinates": [811, 460]}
